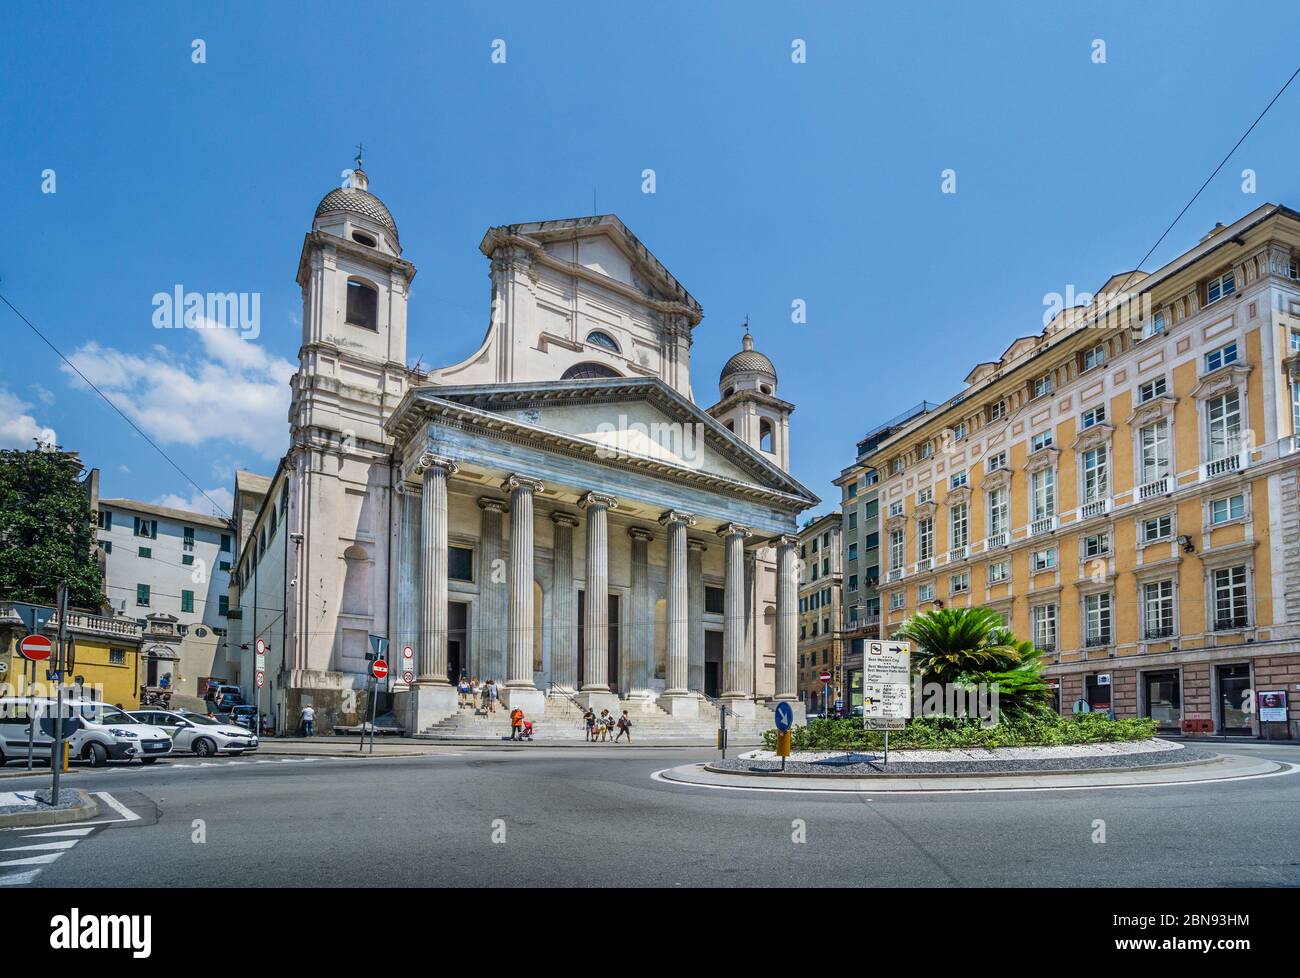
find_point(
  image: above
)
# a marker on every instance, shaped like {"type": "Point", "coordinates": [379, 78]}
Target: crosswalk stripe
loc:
{"type": "Point", "coordinates": [18, 879]}
{"type": "Point", "coordinates": [32, 860]}
{"type": "Point", "coordinates": [50, 835]}
{"type": "Point", "coordinates": [62, 844]}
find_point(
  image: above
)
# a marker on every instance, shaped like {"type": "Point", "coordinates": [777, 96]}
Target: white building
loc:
{"type": "Point", "coordinates": [161, 561]}
{"type": "Point", "coordinates": [468, 513]}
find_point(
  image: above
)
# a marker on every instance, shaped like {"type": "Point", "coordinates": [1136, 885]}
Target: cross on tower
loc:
{"type": "Point", "coordinates": [359, 152]}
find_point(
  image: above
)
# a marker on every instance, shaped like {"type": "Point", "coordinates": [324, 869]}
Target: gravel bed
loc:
{"type": "Point", "coordinates": [1006, 760]}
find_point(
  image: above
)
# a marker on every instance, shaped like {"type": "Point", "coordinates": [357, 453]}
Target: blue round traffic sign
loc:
{"type": "Point", "coordinates": [784, 716]}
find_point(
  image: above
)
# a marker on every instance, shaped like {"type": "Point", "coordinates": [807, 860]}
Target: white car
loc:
{"type": "Point", "coordinates": [96, 732]}
{"type": "Point", "coordinates": [205, 736]}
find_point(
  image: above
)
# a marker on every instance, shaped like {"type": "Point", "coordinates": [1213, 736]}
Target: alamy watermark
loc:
{"type": "Point", "coordinates": [179, 309]}
{"type": "Point", "coordinates": [670, 441]}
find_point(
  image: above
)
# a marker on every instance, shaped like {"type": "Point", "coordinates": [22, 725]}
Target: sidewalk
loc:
{"type": "Point", "coordinates": [349, 746]}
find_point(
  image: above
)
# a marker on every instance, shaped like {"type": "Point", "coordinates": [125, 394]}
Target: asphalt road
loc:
{"type": "Point", "coordinates": [486, 817]}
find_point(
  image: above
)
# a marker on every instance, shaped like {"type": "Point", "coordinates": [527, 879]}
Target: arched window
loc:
{"type": "Point", "coordinates": [362, 238]}
{"type": "Point", "coordinates": [363, 304]}
{"type": "Point", "coordinates": [589, 371]}
{"type": "Point", "coordinates": [765, 435]}
{"type": "Point", "coordinates": [597, 338]}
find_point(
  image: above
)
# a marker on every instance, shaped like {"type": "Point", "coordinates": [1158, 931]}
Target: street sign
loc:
{"type": "Point", "coordinates": [378, 647]}
{"type": "Point", "coordinates": [35, 648]}
{"type": "Point", "coordinates": [261, 678]}
{"type": "Point", "coordinates": [825, 676]}
{"type": "Point", "coordinates": [1081, 706]}
{"type": "Point", "coordinates": [784, 716]}
{"type": "Point", "coordinates": [379, 669]}
{"type": "Point", "coordinates": [408, 664]}
{"type": "Point", "coordinates": [886, 685]}
{"type": "Point", "coordinates": [260, 665]}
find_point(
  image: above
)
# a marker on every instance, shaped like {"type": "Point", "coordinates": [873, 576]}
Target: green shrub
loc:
{"type": "Point", "coordinates": [1036, 728]}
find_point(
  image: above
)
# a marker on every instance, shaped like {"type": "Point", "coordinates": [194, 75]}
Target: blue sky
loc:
{"type": "Point", "coordinates": [775, 181]}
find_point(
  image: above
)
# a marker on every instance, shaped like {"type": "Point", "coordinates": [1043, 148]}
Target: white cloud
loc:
{"type": "Point", "coordinates": [229, 389]}
{"type": "Point", "coordinates": [17, 427]}
{"type": "Point", "coordinates": [199, 502]}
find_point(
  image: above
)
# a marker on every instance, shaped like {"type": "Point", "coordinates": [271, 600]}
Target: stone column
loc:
{"type": "Point", "coordinates": [489, 643]}
{"type": "Point", "coordinates": [564, 602]}
{"type": "Point", "coordinates": [695, 610]}
{"type": "Point", "coordinates": [677, 698]}
{"type": "Point", "coordinates": [595, 623]}
{"type": "Point", "coordinates": [642, 646]}
{"type": "Point", "coordinates": [735, 667]}
{"type": "Point", "coordinates": [787, 620]}
{"type": "Point", "coordinates": [432, 697]}
{"type": "Point", "coordinates": [519, 689]}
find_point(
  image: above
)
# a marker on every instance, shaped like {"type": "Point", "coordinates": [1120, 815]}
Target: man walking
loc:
{"type": "Point", "coordinates": [624, 727]}
{"type": "Point", "coordinates": [308, 721]}
{"type": "Point", "coordinates": [516, 724]}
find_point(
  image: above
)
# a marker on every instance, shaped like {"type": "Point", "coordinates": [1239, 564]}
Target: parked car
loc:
{"type": "Point", "coordinates": [244, 715]}
{"type": "Point", "coordinates": [223, 697]}
{"type": "Point", "coordinates": [96, 732]}
{"type": "Point", "coordinates": [204, 736]}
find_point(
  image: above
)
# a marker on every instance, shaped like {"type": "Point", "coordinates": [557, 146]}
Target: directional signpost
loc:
{"type": "Point", "coordinates": [825, 677]}
{"type": "Point", "coordinates": [886, 687]}
{"type": "Point", "coordinates": [784, 721]}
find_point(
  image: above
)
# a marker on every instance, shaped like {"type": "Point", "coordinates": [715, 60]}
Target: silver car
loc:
{"type": "Point", "coordinates": [205, 736]}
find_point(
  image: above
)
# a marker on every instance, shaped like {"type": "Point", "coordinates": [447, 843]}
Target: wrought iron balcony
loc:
{"type": "Point", "coordinates": [1159, 631]}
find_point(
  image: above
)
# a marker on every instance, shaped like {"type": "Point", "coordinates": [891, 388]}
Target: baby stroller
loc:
{"type": "Point", "coordinates": [527, 733]}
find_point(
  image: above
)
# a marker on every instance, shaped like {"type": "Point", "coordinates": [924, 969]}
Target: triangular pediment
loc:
{"type": "Point", "coordinates": [640, 420]}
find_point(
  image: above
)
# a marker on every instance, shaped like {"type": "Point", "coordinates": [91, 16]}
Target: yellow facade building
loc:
{"type": "Point", "coordinates": [1122, 488]}
{"type": "Point", "coordinates": [105, 654]}
{"type": "Point", "coordinates": [821, 555]}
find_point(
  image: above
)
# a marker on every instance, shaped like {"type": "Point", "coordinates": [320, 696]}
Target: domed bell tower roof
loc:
{"type": "Point", "coordinates": [357, 201]}
{"type": "Point", "coordinates": [748, 360]}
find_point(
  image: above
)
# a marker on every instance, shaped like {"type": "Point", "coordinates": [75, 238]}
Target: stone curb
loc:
{"type": "Point", "coordinates": [86, 807]}
{"type": "Point", "coordinates": [914, 775]}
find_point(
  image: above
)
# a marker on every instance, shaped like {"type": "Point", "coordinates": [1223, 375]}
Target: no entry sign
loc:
{"type": "Point", "coordinates": [379, 669]}
{"type": "Point", "coordinates": [825, 676]}
{"type": "Point", "coordinates": [36, 648]}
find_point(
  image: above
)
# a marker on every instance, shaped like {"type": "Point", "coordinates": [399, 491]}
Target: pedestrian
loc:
{"type": "Point", "coordinates": [604, 724]}
{"type": "Point", "coordinates": [589, 720]}
{"type": "Point", "coordinates": [491, 695]}
{"type": "Point", "coordinates": [475, 690]}
{"type": "Point", "coordinates": [624, 727]}
{"type": "Point", "coordinates": [462, 688]}
{"type": "Point", "coordinates": [308, 720]}
{"type": "Point", "coordinates": [516, 724]}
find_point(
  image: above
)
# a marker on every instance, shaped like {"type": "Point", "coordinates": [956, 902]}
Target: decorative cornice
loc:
{"type": "Point", "coordinates": [1221, 380]}
{"type": "Point", "coordinates": [1044, 458]}
{"type": "Point", "coordinates": [513, 482]}
{"type": "Point", "coordinates": [674, 516]}
{"type": "Point", "coordinates": [925, 511]}
{"type": "Point", "coordinates": [428, 460]}
{"type": "Point", "coordinates": [1093, 437]}
{"type": "Point", "coordinates": [997, 479]}
{"type": "Point", "coordinates": [1152, 410]}
{"type": "Point", "coordinates": [598, 499]}
{"type": "Point", "coordinates": [962, 494]}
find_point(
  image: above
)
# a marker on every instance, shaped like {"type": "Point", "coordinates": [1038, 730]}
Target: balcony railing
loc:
{"type": "Point", "coordinates": [895, 574]}
{"type": "Point", "coordinates": [1045, 524]}
{"type": "Point", "coordinates": [1159, 631]}
{"type": "Point", "coordinates": [995, 540]}
{"type": "Point", "coordinates": [1223, 466]}
{"type": "Point", "coordinates": [1096, 641]}
{"type": "Point", "coordinates": [97, 624]}
{"type": "Point", "coordinates": [1156, 487]}
{"type": "Point", "coordinates": [1095, 507]}
{"type": "Point", "coordinates": [1229, 623]}
{"type": "Point", "coordinates": [924, 564]}
{"type": "Point", "coordinates": [957, 553]}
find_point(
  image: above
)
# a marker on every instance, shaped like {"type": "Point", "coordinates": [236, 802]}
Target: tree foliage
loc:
{"type": "Point", "coordinates": [47, 530]}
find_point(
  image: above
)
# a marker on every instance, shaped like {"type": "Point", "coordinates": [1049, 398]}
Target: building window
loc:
{"type": "Point", "coordinates": [872, 542]}
{"type": "Point", "coordinates": [187, 542]}
{"type": "Point", "coordinates": [107, 546]}
{"type": "Point", "coordinates": [998, 410]}
{"type": "Point", "coordinates": [853, 582]}
{"type": "Point", "coordinates": [871, 478]}
{"type": "Point", "coordinates": [852, 490]}
{"type": "Point", "coordinates": [896, 466]}
{"type": "Point", "coordinates": [363, 304]}
{"type": "Point", "coordinates": [1157, 528]}
{"type": "Point", "coordinates": [1223, 423]}
{"type": "Point", "coordinates": [926, 450]}
{"type": "Point", "coordinates": [146, 528]}
{"type": "Point", "coordinates": [145, 552]}
{"type": "Point", "coordinates": [960, 430]}
{"type": "Point", "coordinates": [1040, 441]}
{"type": "Point", "coordinates": [896, 508]}
{"type": "Point", "coordinates": [995, 462]}
{"type": "Point", "coordinates": [187, 560]}
{"type": "Point", "coordinates": [957, 480]}
{"type": "Point", "coordinates": [1096, 545]}
{"type": "Point", "coordinates": [1043, 385]}
{"type": "Point", "coordinates": [714, 601]}
{"type": "Point", "coordinates": [925, 539]}
{"type": "Point", "coordinates": [853, 519]}
{"type": "Point", "coordinates": [460, 563]}
{"type": "Point", "coordinates": [1094, 416]}
{"type": "Point", "coordinates": [959, 519]}
{"type": "Point", "coordinates": [1152, 389]}
{"type": "Point", "coordinates": [1094, 357]}
{"type": "Point", "coordinates": [223, 605]}
{"type": "Point", "coordinates": [1044, 560]}
{"type": "Point", "coordinates": [106, 519]}
{"type": "Point", "coordinates": [1158, 609]}
{"type": "Point", "coordinates": [1221, 357]}
{"type": "Point", "coordinates": [1295, 338]}
{"type": "Point", "coordinates": [142, 595]}
{"type": "Point", "coordinates": [1043, 486]}
{"type": "Point", "coordinates": [959, 583]}
{"type": "Point", "coordinates": [997, 572]}
{"type": "Point", "coordinates": [1154, 439]}
{"type": "Point", "coordinates": [1096, 620]}
{"type": "Point", "coordinates": [853, 555]}
{"type": "Point", "coordinates": [1230, 598]}
{"type": "Point", "coordinates": [1220, 288]}
{"type": "Point", "coordinates": [765, 436]}
{"type": "Point", "coordinates": [999, 512]}
{"type": "Point", "coordinates": [1229, 508]}
{"type": "Point", "coordinates": [1043, 617]}
{"type": "Point", "coordinates": [187, 601]}
{"type": "Point", "coordinates": [1096, 484]}
{"type": "Point", "coordinates": [925, 592]}
{"type": "Point", "coordinates": [925, 495]}
{"type": "Point", "coordinates": [896, 601]}
{"type": "Point", "coordinates": [598, 338]}
{"type": "Point", "coordinates": [1155, 325]}
{"type": "Point", "coordinates": [117, 657]}
{"type": "Point", "coordinates": [225, 543]}
{"type": "Point", "coordinates": [895, 549]}
{"type": "Point", "coordinates": [1295, 407]}
{"type": "Point", "coordinates": [224, 565]}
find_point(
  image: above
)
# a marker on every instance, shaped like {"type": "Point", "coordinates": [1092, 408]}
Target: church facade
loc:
{"type": "Point", "coordinates": [555, 512]}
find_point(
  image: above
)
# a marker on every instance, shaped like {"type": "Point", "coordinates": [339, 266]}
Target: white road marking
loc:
{"type": "Point", "coordinates": [61, 844]}
{"type": "Point", "coordinates": [32, 860]}
{"type": "Point", "coordinates": [18, 879]}
{"type": "Point", "coordinates": [117, 806]}
{"type": "Point", "coordinates": [50, 835]}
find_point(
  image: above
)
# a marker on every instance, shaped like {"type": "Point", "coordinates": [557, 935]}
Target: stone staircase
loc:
{"type": "Point", "coordinates": [563, 722]}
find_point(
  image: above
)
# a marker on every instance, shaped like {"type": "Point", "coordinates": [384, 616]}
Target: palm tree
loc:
{"type": "Point", "coordinates": [949, 642]}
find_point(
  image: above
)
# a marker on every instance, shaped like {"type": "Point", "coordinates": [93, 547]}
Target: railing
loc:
{"type": "Point", "coordinates": [1160, 631]}
{"type": "Point", "coordinates": [1229, 623]}
{"type": "Point", "coordinates": [957, 553]}
{"type": "Point", "coordinates": [925, 564]}
{"type": "Point", "coordinates": [1156, 487]}
{"type": "Point", "coordinates": [1096, 641]}
{"type": "Point", "coordinates": [1223, 466]}
{"type": "Point", "coordinates": [1096, 507]}
{"type": "Point", "coordinates": [79, 621]}
{"type": "Point", "coordinates": [1288, 445]}
{"type": "Point", "coordinates": [895, 574]}
{"type": "Point", "coordinates": [995, 540]}
{"type": "Point", "coordinates": [1045, 524]}
{"type": "Point", "coordinates": [554, 689]}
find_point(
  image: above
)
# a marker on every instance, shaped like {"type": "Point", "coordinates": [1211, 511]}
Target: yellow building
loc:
{"type": "Point", "coordinates": [820, 581]}
{"type": "Point", "coordinates": [1123, 488]}
{"type": "Point", "coordinates": [105, 658]}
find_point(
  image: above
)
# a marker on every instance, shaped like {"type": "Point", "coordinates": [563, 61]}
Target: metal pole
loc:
{"type": "Point", "coordinates": [374, 696]}
{"type": "Point", "coordinates": [56, 749]}
{"type": "Point", "coordinates": [722, 730]}
{"type": "Point", "coordinates": [31, 713]}
{"type": "Point", "coordinates": [886, 745]}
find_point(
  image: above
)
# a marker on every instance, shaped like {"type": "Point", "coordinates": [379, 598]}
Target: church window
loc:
{"type": "Point", "coordinates": [363, 304]}
{"type": "Point", "coordinates": [460, 563]}
{"type": "Point", "coordinates": [763, 388]}
{"type": "Point", "coordinates": [597, 338]}
{"type": "Point", "coordinates": [589, 371]}
{"type": "Point", "coordinates": [365, 239]}
{"type": "Point", "coordinates": [765, 435]}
